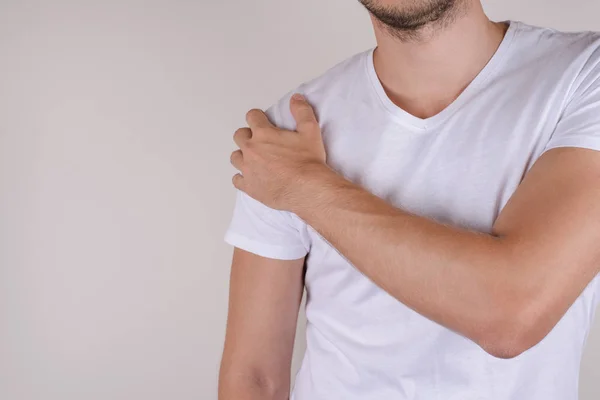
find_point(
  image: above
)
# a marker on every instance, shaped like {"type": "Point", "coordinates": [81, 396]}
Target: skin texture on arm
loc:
{"type": "Point", "coordinates": [265, 296]}
{"type": "Point", "coordinates": [505, 290]}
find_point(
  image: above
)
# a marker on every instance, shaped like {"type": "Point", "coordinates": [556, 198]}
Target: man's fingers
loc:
{"type": "Point", "coordinates": [238, 182]}
{"type": "Point", "coordinates": [306, 120]}
{"type": "Point", "coordinates": [257, 119]}
{"type": "Point", "coordinates": [241, 136]}
{"type": "Point", "coordinates": [237, 159]}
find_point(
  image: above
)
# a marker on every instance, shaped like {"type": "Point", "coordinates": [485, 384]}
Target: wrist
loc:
{"type": "Point", "coordinates": [312, 186]}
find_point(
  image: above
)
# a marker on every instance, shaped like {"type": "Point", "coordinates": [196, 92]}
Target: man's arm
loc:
{"type": "Point", "coordinates": [505, 290]}
{"type": "Point", "coordinates": [265, 296]}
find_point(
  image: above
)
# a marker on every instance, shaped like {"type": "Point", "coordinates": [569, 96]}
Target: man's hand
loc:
{"type": "Point", "coordinates": [274, 162]}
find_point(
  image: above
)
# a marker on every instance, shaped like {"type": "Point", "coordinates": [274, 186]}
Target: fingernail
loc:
{"type": "Point", "coordinates": [298, 97]}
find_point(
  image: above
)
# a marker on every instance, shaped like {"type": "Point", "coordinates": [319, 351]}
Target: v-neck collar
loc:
{"type": "Point", "coordinates": [410, 120]}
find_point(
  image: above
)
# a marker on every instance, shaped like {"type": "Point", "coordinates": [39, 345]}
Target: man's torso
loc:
{"type": "Point", "coordinates": [459, 167]}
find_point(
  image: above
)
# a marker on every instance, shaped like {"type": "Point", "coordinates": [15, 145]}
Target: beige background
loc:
{"type": "Point", "coordinates": [115, 131]}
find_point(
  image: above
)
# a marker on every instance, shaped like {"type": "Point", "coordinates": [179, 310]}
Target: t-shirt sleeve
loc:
{"type": "Point", "coordinates": [579, 125]}
{"type": "Point", "coordinates": [264, 231]}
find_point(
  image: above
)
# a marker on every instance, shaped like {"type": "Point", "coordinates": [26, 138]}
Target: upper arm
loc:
{"type": "Point", "coordinates": [551, 227]}
{"type": "Point", "coordinates": [261, 230]}
{"type": "Point", "coordinates": [551, 224]}
{"type": "Point", "coordinates": [264, 299]}
{"type": "Point", "coordinates": [266, 286]}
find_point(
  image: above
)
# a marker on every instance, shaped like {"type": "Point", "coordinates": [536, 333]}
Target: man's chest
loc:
{"type": "Point", "coordinates": [455, 175]}
{"type": "Point", "coordinates": [462, 171]}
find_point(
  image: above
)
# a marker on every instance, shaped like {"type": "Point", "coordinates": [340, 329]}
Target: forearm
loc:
{"type": "Point", "coordinates": [461, 279]}
{"type": "Point", "coordinates": [509, 286]}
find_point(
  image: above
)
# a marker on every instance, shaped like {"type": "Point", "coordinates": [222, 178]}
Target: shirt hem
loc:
{"type": "Point", "coordinates": [265, 250]}
{"type": "Point", "coordinates": [591, 143]}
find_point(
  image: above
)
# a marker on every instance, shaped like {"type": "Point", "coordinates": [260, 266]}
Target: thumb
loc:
{"type": "Point", "coordinates": [304, 114]}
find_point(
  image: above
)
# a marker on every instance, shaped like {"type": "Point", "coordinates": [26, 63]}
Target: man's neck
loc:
{"type": "Point", "coordinates": [425, 74]}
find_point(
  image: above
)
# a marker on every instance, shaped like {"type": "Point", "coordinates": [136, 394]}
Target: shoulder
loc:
{"type": "Point", "coordinates": [337, 81]}
{"type": "Point", "coordinates": [553, 39]}
{"type": "Point", "coordinates": [566, 62]}
{"type": "Point", "coordinates": [557, 48]}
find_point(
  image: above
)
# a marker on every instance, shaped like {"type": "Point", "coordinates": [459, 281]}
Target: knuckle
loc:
{"type": "Point", "coordinates": [242, 131]}
{"type": "Point", "coordinates": [252, 113]}
{"type": "Point", "coordinates": [307, 110]}
{"type": "Point", "coordinates": [311, 123]}
{"type": "Point", "coordinates": [249, 146]}
{"type": "Point", "coordinates": [241, 136]}
{"type": "Point", "coordinates": [236, 180]}
{"type": "Point", "coordinates": [267, 133]}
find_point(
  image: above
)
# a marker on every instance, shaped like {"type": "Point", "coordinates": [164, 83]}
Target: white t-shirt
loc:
{"type": "Point", "coordinates": [541, 90]}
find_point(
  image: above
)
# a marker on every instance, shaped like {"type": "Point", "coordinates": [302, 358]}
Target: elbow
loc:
{"type": "Point", "coordinates": [504, 349]}
{"type": "Point", "coordinates": [512, 335]}
{"type": "Point", "coordinates": [252, 384]}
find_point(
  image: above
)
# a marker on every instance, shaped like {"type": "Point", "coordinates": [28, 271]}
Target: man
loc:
{"type": "Point", "coordinates": [445, 200]}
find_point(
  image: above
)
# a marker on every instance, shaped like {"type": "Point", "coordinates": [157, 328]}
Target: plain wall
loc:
{"type": "Point", "coordinates": [116, 120]}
